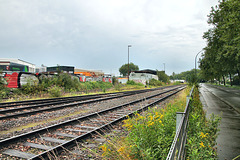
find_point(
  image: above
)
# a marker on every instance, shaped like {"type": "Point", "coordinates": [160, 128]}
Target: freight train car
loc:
{"type": "Point", "coordinates": [18, 79]}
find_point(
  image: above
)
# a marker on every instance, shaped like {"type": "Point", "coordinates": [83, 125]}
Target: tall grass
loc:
{"type": "Point", "coordinates": [202, 132]}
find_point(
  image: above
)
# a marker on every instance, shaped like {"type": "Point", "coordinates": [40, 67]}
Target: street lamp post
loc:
{"type": "Point", "coordinates": [128, 60]}
{"type": "Point", "coordinates": [196, 64]}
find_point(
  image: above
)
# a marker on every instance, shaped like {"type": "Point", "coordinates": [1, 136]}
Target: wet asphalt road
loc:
{"type": "Point", "coordinates": [226, 103]}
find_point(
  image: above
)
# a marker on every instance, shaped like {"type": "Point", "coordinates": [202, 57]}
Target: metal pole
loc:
{"type": "Point", "coordinates": [128, 60]}
{"type": "Point", "coordinates": [164, 67]}
{"type": "Point", "coordinates": [196, 62]}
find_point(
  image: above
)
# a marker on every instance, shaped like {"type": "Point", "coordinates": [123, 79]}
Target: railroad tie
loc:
{"type": "Point", "coordinates": [85, 127]}
{"type": "Point", "coordinates": [53, 140]}
{"type": "Point", "coordinates": [76, 130]}
{"type": "Point", "coordinates": [65, 135]}
{"type": "Point", "coordinates": [20, 154]}
{"type": "Point", "coordinates": [39, 146]}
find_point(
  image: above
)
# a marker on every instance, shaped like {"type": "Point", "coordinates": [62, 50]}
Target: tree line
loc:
{"type": "Point", "coordinates": [221, 57]}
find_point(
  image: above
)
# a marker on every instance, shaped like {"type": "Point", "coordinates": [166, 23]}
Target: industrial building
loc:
{"type": "Point", "coordinates": [90, 73]}
{"type": "Point", "coordinates": [16, 65]}
{"type": "Point", "coordinates": [64, 69]}
{"type": "Point", "coordinates": [17, 72]}
{"type": "Point", "coordinates": [143, 76]}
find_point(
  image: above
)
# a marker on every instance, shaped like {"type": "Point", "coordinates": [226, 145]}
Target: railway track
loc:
{"type": "Point", "coordinates": [49, 141]}
{"type": "Point", "coordinates": [26, 108]}
{"type": "Point", "coordinates": [61, 99]}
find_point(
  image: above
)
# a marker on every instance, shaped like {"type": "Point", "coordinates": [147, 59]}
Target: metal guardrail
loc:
{"type": "Point", "coordinates": [177, 150]}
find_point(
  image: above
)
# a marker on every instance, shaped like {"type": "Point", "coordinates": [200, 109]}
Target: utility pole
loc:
{"type": "Point", "coordinates": [128, 60]}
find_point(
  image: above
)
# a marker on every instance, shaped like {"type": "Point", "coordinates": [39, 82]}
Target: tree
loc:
{"type": "Point", "coordinates": [162, 76]}
{"type": "Point", "coordinates": [189, 76]}
{"type": "Point", "coordinates": [222, 53]}
{"type": "Point", "coordinates": [124, 68]}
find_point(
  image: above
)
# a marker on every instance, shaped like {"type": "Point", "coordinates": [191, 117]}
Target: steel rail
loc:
{"type": "Point", "coordinates": [38, 101]}
{"type": "Point", "coordinates": [27, 102]}
{"type": "Point", "coordinates": [45, 129]}
{"type": "Point", "coordinates": [44, 102]}
{"type": "Point", "coordinates": [63, 105]}
{"type": "Point", "coordinates": [57, 107]}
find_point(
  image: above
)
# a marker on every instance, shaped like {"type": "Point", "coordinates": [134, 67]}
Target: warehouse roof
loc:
{"type": "Point", "coordinates": [147, 71]}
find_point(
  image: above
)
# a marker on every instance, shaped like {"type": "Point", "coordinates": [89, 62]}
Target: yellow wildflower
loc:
{"type": "Point", "coordinates": [201, 144]}
{"type": "Point", "coordinates": [150, 123]}
{"type": "Point", "coordinates": [203, 135]}
{"type": "Point", "coordinates": [161, 116]}
{"type": "Point", "coordinates": [129, 127]}
{"type": "Point", "coordinates": [121, 149]}
{"type": "Point", "coordinates": [151, 118]}
{"type": "Point", "coordinates": [103, 148]}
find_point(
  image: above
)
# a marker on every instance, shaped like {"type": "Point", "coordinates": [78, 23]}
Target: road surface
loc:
{"type": "Point", "coordinates": [226, 103]}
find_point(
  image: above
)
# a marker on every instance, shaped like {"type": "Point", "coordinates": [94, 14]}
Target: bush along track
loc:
{"type": "Point", "coordinates": [202, 132]}
{"type": "Point", "coordinates": [150, 135]}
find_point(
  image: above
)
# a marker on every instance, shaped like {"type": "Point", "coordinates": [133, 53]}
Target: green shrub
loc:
{"type": "Point", "coordinates": [114, 81]}
{"type": "Point", "coordinates": [64, 80]}
{"type": "Point", "coordinates": [4, 91]}
{"type": "Point", "coordinates": [131, 82]}
{"type": "Point", "coordinates": [236, 80]}
{"type": "Point", "coordinates": [154, 82]}
{"type": "Point", "coordinates": [30, 88]}
{"type": "Point", "coordinates": [55, 91]}
{"type": "Point", "coordinates": [176, 83]}
{"type": "Point", "coordinates": [117, 87]}
{"type": "Point", "coordinates": [202, 132]}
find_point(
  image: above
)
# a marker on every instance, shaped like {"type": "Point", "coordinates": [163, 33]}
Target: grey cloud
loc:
{"type": "Point", "coordinates": [95, 34]}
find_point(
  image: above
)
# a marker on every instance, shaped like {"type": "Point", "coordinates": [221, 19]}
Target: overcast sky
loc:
{"type": "Point", "coordinates": [95, 34]}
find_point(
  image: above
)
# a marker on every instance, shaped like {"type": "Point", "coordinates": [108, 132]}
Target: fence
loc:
{"type": "Point", "coordinates": [177, 150]}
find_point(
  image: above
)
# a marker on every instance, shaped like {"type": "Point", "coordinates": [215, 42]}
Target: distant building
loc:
{"type": "Point", "coordinates": [89, 73]}
{"type": "Point", "coordinates": [16, 65]}
{"type": "Point", "coordinates": [177, 80]}
{"type": "Point", "coordinates": [64, 69]}
{"type": "Point", "coordinates": [143, 76]}
{"type": "Point", "coordinates": [41, 69]}
{"type": "Point", "coordinates": [122, 80]}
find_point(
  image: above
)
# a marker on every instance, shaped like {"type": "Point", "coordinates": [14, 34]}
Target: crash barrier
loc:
{"type": "Point", "coordinates": [177, 150]}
